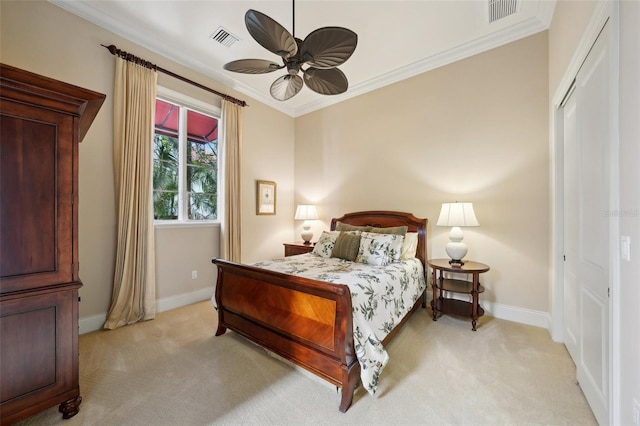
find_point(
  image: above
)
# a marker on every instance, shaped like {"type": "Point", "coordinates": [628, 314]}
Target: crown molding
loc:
{"type": "Point", "coordinates": [523, 29]}
{"type": "Point", "coordinates": [533, 25]}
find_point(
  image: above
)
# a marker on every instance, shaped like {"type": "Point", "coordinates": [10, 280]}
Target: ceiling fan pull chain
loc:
{"type": "Point", "coordinates": [293, 17]}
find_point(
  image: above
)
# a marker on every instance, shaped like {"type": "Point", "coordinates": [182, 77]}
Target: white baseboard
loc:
{"type": "Point", "coordinates": [95, 322]}
{"type": "Point", "coordinates": [510, 313]}
{"type": "Point", "coordinates": [521, 315]}
{"type": "Point", "coordinates": [184, 299]}
{"type": "Point", "coordinates": [92, 323]}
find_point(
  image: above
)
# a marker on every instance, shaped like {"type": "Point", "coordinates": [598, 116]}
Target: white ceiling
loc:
{"type": "Point", "coordinates": [396, 39]}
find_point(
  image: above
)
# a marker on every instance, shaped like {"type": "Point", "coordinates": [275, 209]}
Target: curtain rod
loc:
{"type": "Point", "coordinates": [131, 58]}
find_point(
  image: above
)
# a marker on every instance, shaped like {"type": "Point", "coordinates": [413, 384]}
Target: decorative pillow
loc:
{"type": "Point", "coordinates": [409, 246]}
{"type": "Point", "coordinates": [395, 248]}
{"type": "Point", "coordinates": [346, 227]}
{"type": "Point", "coordinates": [374, 248]}
{"type": "Point", "coordinates": [397, 230]}
{"type": "Point", "coordinates": [346, 246]}
{"type": "Point", "coordinates": [324, 246]}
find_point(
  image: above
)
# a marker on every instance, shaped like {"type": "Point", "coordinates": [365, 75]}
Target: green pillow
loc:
{"type": "Point", "coordinates": [346, 246]}
{"type": "Point", "coordinates": [346, 227]}
{"type": "Point", "coordinates": [395, 230]}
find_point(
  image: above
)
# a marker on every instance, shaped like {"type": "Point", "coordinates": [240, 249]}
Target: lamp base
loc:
{"type": "Point", "coordinates": [456, 263]}
{"type": "Point", "coordinates": [456, 250]}
{"type": "Point", "coordinates": [306, 235]}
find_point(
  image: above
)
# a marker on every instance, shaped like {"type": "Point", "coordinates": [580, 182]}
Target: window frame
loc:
{"type": "Point", "coordinates": [187, 102]}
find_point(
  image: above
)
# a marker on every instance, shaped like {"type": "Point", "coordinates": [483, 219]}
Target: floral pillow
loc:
{"type": "Point", "coordinates": [324, 246]}
{"type": "Point", "coordinates": [395, 248]}
{"type": "Point", "coordinates": [374, 248]}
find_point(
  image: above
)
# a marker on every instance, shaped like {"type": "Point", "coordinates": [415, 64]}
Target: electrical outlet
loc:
{"type": "Point", "coordinates": [194, 275]}
{"type": "Point", "coordinates": [636, 412]}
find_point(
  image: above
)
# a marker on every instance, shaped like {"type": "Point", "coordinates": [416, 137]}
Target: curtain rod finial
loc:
{"type": "Point", "coordinates": [112, 48]}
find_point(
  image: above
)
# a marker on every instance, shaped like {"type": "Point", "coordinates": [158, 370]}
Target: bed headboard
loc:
{"type": "Point", "coordinates": [387, 219]}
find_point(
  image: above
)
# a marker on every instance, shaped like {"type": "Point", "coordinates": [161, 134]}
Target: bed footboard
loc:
{"type": "Point", "coordinates": [307, 322]}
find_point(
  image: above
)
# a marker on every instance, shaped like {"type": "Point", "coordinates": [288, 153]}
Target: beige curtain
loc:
{"type": "Point", "coordinates": [232, 141]}
{"type": "Point", "coordinates": [134, 282]}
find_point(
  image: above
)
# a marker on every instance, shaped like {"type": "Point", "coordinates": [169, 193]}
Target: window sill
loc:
{"type": "Point", "coordinates": [185, 224]}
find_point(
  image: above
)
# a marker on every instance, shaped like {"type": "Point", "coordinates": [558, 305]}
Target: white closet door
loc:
{"type": "Point", "coordinates": [571, 299]}
{"type": "Point", "coordinates": [587, 227]}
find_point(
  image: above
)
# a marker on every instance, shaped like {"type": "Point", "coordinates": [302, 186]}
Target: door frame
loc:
{"type": "Point", "coordinates": [604, 10]}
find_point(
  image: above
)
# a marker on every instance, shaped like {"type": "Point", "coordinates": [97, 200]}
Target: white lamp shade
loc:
{"type": "Point", "coordinates": [457, 214]}
{"type": "Point", "coordinates": [306, 212]}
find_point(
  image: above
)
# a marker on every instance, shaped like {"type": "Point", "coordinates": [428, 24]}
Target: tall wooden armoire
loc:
{"type": "Point", "coordinates": [42, 121]}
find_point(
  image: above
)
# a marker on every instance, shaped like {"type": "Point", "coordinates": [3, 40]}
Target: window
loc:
{"type": "Point", "coordinates": [185, 160]}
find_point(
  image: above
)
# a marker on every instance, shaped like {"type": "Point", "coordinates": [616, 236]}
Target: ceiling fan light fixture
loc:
{"type": "Point", "coordinates": [323, 50]}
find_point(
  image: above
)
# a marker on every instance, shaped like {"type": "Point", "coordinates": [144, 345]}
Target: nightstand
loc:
{"type": "Point", "coordinates": [441, 284]}
{"type": "Point", "coordinates": [291, 249]}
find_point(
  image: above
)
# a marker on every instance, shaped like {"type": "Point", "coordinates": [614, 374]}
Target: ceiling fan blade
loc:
{"type": "Point", "coordinates": [269, 34]}
{"type": "Point", "coordinates": [286, 87]}
{"type": "Point", "coordinates": [252, 66]}
{"type": "Point", "coordinates": [328, 47]}
{"type": "Point", "coordinates": [326, 81]}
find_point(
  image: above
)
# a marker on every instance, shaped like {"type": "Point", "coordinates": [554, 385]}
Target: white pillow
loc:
{"type": "Point", "coordinates": [374, 248]}
{"type": "Point", "coordinates": [324, 246]}
{"type": "Point", "coordinates": [409, 245]}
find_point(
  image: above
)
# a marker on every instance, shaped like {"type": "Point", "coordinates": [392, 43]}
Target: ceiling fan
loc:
{"type": "Point", "coordinates": [322, 50]}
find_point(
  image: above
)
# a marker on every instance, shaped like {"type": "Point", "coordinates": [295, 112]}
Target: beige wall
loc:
{"type": "Point", "coordinates": [475, 130]}
{"type": "Point", "coordinates": [43, 38]}
{"type": "Point", "coordinates": [268, 157]}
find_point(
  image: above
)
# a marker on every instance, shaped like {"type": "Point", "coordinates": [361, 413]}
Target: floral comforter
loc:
{"type": "Point", "coordinates": [380, 297]}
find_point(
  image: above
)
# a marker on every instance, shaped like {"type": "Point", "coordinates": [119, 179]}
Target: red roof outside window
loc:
{"type": "Point", "coordinates": [200, 128]}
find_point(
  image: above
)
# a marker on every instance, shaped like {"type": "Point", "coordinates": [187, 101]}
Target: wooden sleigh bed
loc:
{"type": "Point", "coordinates": [305, 321]}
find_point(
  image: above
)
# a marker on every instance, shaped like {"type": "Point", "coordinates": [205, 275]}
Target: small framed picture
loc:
{"type": "Point", "coordinates": [265, 197]}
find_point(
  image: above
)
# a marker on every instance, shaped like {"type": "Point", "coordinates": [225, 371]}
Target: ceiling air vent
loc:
{"type": "Point", "coordinates": [224, 37]}
{"type": "Point", "coordinates": [499, 9]}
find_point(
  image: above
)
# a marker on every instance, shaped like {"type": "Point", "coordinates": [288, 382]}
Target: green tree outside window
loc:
{"type": "Point", "coordinates": [198, 157]}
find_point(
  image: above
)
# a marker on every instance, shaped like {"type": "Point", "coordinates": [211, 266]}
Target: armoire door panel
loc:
{"type": "Point", "coordinates": [29, 362]}
{"type": "Point", "coordinates": [39, 347]}
{"type": "Point", "coordinates": [36, 190]}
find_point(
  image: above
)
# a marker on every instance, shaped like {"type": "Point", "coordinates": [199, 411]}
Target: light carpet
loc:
{"type": "Point", "coordinates": [174, 371]}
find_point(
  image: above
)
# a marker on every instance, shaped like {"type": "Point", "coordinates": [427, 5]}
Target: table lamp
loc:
{"type": "Point", "coordinates": [457, 215]}
{"type": "Point", "coordinates": [306, 212]}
